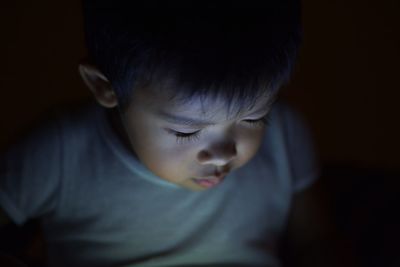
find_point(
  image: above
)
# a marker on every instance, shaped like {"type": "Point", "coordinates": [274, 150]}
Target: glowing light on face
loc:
{"type": "Point", "coordinates": [194, 144]}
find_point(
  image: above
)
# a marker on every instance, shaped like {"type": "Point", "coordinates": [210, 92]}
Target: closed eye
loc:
{"type": "Point", "coordinates": [259, 122]}
{"type": "Point", "coordinates": [180, 134]}
{"type": "Point", "coordinates": [184, 137]}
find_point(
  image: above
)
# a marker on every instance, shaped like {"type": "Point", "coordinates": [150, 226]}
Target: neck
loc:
{"type": "Point", "coordinates": [115, 117]}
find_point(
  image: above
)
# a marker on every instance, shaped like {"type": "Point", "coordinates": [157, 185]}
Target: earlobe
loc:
{"type": "Point", "coordinates": [99, 85]}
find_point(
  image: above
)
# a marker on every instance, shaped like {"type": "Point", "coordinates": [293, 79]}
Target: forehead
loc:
{"type": "Point", "coordinates": [206, 107]}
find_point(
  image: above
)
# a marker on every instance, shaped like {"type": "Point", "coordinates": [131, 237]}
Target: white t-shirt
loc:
{"type": "Point", "coordinates": [99, 206]}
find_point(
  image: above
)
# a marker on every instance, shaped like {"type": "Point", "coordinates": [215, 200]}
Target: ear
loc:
{"type": "Point", "coordinates": [99, 85]}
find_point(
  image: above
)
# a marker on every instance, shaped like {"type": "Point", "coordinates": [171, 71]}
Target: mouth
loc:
{"type": "Point", "coordinates": [210, 181]}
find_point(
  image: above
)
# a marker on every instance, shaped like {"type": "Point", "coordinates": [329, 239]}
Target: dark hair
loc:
{"type": "Point", "coordinates": [234, 49]}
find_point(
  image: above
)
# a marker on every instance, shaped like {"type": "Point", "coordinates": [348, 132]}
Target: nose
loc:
{"type": "Point", "coordinates": [219, 154]}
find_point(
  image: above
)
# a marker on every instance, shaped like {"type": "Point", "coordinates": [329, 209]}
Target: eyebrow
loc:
{"type": "Point", "coordinates": [180, 120]}
{"type": "Point", "coordinates": [263, 109]}
{"type": "Point", "coordinates": [176, 119]}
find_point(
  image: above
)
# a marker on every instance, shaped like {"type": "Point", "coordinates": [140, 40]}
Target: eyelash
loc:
{"type": "Point", "coordinates": [260, 122]}
{"type": "Point", "coordinates": [189, 137]}
{"type": "Point", "coordinates": [185, 137]}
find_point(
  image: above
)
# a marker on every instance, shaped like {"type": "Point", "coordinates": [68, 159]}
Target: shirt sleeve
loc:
{"type": "Point", "coordinates": [302, 155]}
{"type": "Point", "coordinates": [29, 175]}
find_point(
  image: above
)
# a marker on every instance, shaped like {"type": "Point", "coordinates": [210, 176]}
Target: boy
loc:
{"type": "Point", "coordinates": [188, 164]}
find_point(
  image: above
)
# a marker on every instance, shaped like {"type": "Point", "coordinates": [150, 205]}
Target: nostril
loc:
{"type": "Point", "coordinates": [204, 156]}
{"type": "Point", "coordinates": [220, 173]}
{"type": "Point", "coordinates": [219, 154]}
{"type": "Point", "coordinates": [234, 151]}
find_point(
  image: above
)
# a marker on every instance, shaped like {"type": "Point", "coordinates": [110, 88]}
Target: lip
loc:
{"type": "Point", "coordinates": [209, 181]}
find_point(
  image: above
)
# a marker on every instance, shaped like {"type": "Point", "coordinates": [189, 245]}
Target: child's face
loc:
{"type": "Point", "coordinates": [194, 144]}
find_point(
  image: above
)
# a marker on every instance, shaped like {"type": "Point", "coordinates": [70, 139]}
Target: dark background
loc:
{"type": "Point", "coordinates": [346, 84]}
{"type": "Point", "coordinates": [346, 81]}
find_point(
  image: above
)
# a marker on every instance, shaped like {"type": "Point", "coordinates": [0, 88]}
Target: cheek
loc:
{"type": "Point", "coordinates": [249, 145]}
{"type": "Point", "coordinates": [173, 165]}
{"type": "Point", "coordinates": [160, 153]}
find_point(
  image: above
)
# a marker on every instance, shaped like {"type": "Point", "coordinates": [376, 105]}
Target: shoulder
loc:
{"type": "Point", "coordinates": [44, 148]}
{"type": "Point", "coordinates": [33, 169]}
{"type": "Point", "coordinates": [54, 124]}
{"type": "Point", "coordinates": [289, 144]}
{"type": "Point", "coordinates": [81, 122]}
{"type": "Point", "coordinates": [286, 128]}
{"type": "Point", "coordinates": [286, 116]}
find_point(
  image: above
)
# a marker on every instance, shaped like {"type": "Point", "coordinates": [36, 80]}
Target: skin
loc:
{"type": "Point", "coordinates": [179, 152]}
{"type": "Point", "coordinates": [182, 153]}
